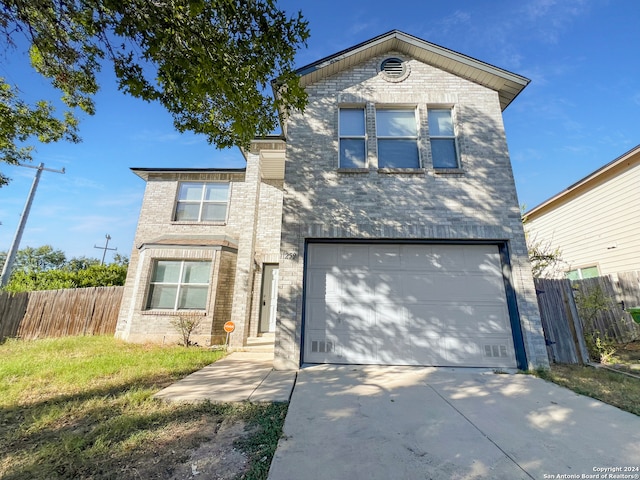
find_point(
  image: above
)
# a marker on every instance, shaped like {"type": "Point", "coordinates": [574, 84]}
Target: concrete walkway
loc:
{"type": "Point", "coordinates": [239, 377]}
{"type": "Point", "coordinates": [380, 423]}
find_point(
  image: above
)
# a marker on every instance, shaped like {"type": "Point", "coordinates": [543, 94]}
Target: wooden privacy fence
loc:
{"type": "Point", "coordinates": [613, 321]}
{"type": "Point", "coordinates": [564, 329]}
{"type": "Point", "coordinates": [59, 313]}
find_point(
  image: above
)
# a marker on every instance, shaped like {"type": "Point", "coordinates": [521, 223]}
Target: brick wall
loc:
{"type": "Point", "coordinates": [476, 202]}
{"type": "Point", "coordinates": [247, 242]}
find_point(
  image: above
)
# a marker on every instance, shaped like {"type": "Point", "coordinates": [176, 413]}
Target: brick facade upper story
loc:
{"type": "Point", "coordinates": [477, 201]}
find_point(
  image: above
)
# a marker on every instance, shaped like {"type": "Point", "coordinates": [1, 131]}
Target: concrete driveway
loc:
{"type": "Point", "coordinates": [352, 423]}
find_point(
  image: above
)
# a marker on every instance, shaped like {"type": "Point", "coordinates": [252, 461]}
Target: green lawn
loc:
{"type": "Point", "coordinates": [611, 387]}
{"type": "Point", "coordinates": [82, 407]}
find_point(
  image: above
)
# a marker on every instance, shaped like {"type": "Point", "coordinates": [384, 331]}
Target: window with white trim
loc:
{"type": "Point", "coordinates": [584, 272]}
{"type": "Point", "coordinates": [397, 135]}
{"type": "Point", "coordinates": [202, 202]}
{"type": "Point", "coordinates": [444, 151]}
{"type": "Point", "coordinates": [179, 285]}
{"type": "Point", "coordinates": [352, 130]}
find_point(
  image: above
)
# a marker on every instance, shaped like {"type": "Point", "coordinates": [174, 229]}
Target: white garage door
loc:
{"type": "Point", "coordinates": [406, 305]}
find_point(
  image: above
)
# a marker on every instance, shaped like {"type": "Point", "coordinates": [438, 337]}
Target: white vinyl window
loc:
{"type": "Point", "coordinates": [397, 135]}
{"type": "Point", "coordinates": [179, 285]}
{"type": "Point", "coordinates": [202, 202]}
{"type": "Point", "coordinates": [584, 272]}
{"type": "Point", "coordinates": [353, 151]}
{"type": "Point", "coordinates": [442, 138]}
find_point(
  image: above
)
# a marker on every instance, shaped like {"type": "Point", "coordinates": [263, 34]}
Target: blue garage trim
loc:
{"type": "Point", "coordinates": [512, 305]}
{"type": "Point", "coordinates": [503, 249]}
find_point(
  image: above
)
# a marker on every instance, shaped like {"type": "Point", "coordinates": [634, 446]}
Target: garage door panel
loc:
{"type": "Point", "coordinates": [320, 313]}
{"type": "Point", "coordinates": [420, 258]}
{"type": "Point", "coordinates": [428, 350]}
{"type": "Point", "coordinates": [353, 255]}
{"type": "Point", "coordinates": [323, 347]}
{"type": "Point", "coordinates": [492, 320]}
{"type": "Point", "coordinates": [464, 351]}
{"type": "Point", "coordinates": [448, 258]}
{"type": "Point", "coordinates": [339, 316]}
{"type": "Point", "coordinates": [407, 305]}
{"type": "Point", "coordinates": [418, 286]}
{"type": "Point", "coordinates": [323, 255]}
{"type": "Point", "coordinates": [388, 285]}
{"type": "Point", "coordinates": [466, 319]}
{"type": "Point", "coordinates": [385, 257]}
{"type": "Point", "coordinates": [424, 319]}
{"type": "Point", "coordinates": [390, 316]}
{"type": "Point", "coordinates": [321, 283]}
{"type": "Point", "coordinates": [355, 283]}
{"type": "Point", "coordinates": [395, 351]}
{"type": "Point", "coordinates": [357, 317]}
{"type": "Point", "coordinates": [483, 260]}
{"type": "Point", "coordinates": [483, 288]}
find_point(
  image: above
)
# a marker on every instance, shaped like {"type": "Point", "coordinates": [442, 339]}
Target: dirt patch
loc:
{"type": "Point", "coordinates": [627, 358]}
{"type": "Point", "coordinates": [631, 351]}
{"type": "Point", "coordinates": [203, 451]}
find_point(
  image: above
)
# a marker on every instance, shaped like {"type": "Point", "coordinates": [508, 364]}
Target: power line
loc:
{"type": "Point", "coordinates": [11, 254]}
{"type": "Point", "coordinates": [105, 248]}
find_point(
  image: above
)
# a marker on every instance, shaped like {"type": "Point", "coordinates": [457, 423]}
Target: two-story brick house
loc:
{"type": "Point", "coordinates": [388, 209]}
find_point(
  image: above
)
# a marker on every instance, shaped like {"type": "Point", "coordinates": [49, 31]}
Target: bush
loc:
{"type": "Point", "coordinates": [600, 346]}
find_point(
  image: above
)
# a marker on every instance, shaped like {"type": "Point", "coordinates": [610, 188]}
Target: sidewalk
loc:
{"type": "Point", "coordinates": [239, 377]}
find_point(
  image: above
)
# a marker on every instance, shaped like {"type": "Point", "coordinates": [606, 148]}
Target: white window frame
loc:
{"type": "Point", "coordinates": [362, 137]}
{"type": "Point", "coordinates": [179, 284]}
{"type": "Point", "coordinates": [453, 137]}
{"type": "Point", "coordinates": [202, 202]}
{"type": "Point", "coordinates": [415, 138]}
{"type": "Point", "coordinates": [579, 271]}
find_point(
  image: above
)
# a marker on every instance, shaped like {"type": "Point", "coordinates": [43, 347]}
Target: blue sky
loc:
{"type": "Point", "coordinates": [581, 110]}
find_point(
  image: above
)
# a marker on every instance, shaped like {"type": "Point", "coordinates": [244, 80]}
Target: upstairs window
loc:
{"type": "Point", "coordinates": [442, 138]}
{"type": "Point", "coordinates": [397, 134]}
{"type": "Point", "coordinates": [179, 285]}
{"type": "Point", "coordinates": [353, 152]}
{"type": "Point", "coordinates": [202, 202]}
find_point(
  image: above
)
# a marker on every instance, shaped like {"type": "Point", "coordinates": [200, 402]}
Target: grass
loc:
{"type": "Point", "coordinates": [608, 386]}
{"type": "Point", "coordinates": [82, 407]}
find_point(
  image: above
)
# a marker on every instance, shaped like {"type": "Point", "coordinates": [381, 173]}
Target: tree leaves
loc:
{"type": "Point", "coordinates": [20, 121]}
{"type": "Point", "coordinates": [208, 62]}
{"type": "Point", "coordinates": [45, 268]}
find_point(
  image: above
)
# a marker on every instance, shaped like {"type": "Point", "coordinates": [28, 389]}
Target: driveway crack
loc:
{"type": "Point", "coordinates": [481, 432]}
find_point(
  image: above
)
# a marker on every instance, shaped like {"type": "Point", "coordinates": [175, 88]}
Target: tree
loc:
{"type": "Point", "coordinates": [208, 62]}
{"type": "Point", "coordinates": [45, 268]}
{"type": "Point", "coordinates": [39, 259]}
{"type": "Point", "coordinates": [20, 121]}
{"type": "Point", "coordinates": [546, 260]}
{"type": "Point", "coordinates": [80, 263]}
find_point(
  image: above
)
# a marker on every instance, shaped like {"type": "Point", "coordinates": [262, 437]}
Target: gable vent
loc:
{"type": "Point", "coordinates": [393, 67]}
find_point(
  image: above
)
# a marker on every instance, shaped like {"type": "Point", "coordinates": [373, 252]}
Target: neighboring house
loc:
{"type": "Point", "coordinates": [388, 210]}
{"type": "Point", "coordinates": [594, 222]}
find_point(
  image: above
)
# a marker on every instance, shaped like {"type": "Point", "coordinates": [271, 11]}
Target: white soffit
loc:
{"type": "Point", "coordinates": [272, 162]}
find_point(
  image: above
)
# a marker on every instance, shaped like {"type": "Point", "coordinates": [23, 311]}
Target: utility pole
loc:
{"type": "Point", "coordinates": [11, 254]}
{"type": "Point", "coordinates": [105, 248]}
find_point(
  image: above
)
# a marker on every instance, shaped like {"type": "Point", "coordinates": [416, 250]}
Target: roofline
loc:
{"type": "Point", "coordinates": [585, 180]}
{"type": "Point", "coordinates": [418, 42]}
{"type": "Point", "coordinates": [144, 172]}
{"type": "Point", "coordinates": [398, 34]}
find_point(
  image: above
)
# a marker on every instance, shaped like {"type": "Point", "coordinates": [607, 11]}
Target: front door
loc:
{"type": "Point", "coordinates": [269, 300]}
